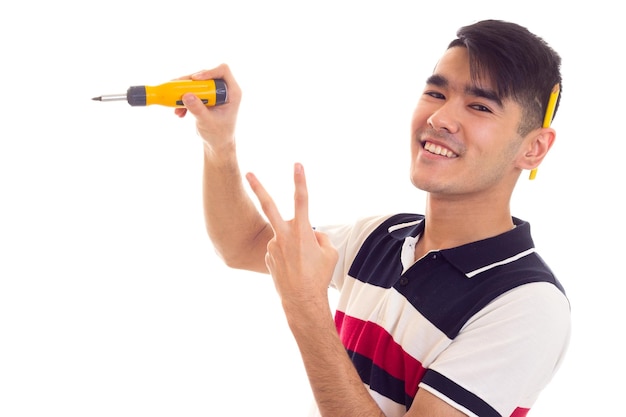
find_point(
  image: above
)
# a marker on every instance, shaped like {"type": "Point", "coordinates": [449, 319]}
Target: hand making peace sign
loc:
{"type": "Point", "coordinates": [300, 259]}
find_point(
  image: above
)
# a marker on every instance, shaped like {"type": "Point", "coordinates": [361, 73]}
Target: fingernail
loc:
{"type": "Point", "coordinates": [189, 98]}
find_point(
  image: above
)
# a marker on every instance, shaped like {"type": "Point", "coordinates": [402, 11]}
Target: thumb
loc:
{"type": "Point", "coordinates": [194, 104]}
{"type": "Point", "coordinates": [324, 241]}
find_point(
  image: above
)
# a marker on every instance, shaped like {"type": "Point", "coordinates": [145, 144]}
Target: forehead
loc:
{"type": "Point", "coordinates": [453, 72]}
{"type": "Point", "coordinates": [454, 66]}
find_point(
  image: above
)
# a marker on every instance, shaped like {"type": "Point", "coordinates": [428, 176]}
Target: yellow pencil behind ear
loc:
{"type": "Point", "coordinates": [547, 119]}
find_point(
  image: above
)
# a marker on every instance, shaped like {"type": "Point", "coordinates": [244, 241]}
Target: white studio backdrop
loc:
{"type": "Point", "coordinates": [112, 301]}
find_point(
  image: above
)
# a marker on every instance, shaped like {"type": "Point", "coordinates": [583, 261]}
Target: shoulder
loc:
{"type": "Point", "coordinates": [508, 351]}
{"type": "Point", "coordinates": [541, 303]}
{"type": "Point", "coordinates": [354, 234]}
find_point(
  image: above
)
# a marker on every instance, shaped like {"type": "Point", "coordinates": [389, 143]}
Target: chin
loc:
{"type": "Point", "coordinates": [418, 182]}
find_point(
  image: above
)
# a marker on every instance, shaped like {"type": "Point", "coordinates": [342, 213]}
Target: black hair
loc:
{"type": "Point", "coordinates": [521, 65]}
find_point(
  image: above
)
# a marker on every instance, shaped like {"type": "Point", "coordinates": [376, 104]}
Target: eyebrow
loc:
{"type": "Point", "coordinates": [472, 90]}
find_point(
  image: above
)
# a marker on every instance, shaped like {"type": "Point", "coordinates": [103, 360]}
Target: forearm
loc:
{"type": "Point", "coordinates": [238, 231]}
{"type": "Point", "coordinates": [336, 385]}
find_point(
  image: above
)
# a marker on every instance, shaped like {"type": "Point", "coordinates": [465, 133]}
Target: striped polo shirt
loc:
{"type": "Point", "coordinates": [483, 326]}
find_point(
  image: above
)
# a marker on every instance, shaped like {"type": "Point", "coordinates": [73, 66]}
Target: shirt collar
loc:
{"type": "Point", "coordinates": [476, 257]}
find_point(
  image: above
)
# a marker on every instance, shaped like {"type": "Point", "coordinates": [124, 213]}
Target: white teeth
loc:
{"type": "Point", "coordinates": [438, 150]}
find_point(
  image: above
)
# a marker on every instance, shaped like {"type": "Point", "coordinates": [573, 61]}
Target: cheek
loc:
{"type": "Point", "coordinates": [486, 139]}
{"type": "Point", "coordinates": [419, 123]}
{"type": "Point", "coordinates": [419, 119]}
{"type": "Point", "coordinates": [414, 149]}
{"type": "Point", "coordinates": [416, 145]}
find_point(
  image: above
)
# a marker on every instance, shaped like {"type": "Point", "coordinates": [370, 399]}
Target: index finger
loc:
{"type": "Point", "coordinates": [301, 197]}
{"type": "Point", "coordinates": [267, 203]}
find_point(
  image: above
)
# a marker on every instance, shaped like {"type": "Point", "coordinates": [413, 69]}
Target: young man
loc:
{"type": "Point", "coordinates": [450, 313]}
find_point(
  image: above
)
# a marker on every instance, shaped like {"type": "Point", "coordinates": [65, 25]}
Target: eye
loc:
{"type": "Point", "coordinates": [480, 107]}
{"type": "Point", "coordinates": [435, 94]}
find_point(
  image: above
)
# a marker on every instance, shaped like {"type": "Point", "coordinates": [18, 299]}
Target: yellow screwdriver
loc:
{"type": "Point", "coordinates": [211, 92]}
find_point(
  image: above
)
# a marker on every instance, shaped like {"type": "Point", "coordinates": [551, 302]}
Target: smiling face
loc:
{"type": "Point", "coordinates": [465, 138]}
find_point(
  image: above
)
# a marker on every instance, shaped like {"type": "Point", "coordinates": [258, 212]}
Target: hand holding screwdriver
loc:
{"type": "Point", "coordinates": [216, 125]}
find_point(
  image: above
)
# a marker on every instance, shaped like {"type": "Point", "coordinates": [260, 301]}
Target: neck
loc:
{"type": "Point", "coordinates": [454, 222]}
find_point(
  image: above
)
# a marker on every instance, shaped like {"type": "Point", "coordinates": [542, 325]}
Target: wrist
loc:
{"type": "Point", "coordinates": [223, 154]}
{"type": "Point", "coordinates": [307, 315]}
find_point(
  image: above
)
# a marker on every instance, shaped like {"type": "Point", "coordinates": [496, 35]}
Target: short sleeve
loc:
{"type": "Point", "coordinates": [506, 353]}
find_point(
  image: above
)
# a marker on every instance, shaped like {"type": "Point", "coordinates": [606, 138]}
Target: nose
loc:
{"type": "Point", "coordinates": [444, 118]}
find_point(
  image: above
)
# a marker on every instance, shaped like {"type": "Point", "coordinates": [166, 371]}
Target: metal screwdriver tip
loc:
{"type": "Point", "coordinates": [97, 98]}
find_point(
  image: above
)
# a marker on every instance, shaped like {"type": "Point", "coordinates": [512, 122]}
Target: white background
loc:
{"type": "Point", "coordinates": [112, 301]}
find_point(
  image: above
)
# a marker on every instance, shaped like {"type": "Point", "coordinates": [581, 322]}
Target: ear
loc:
{"type": "Point", "coordinates": [536, 147]}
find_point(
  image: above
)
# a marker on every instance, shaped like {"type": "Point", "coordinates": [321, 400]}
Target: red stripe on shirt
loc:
{"type": "Point", "coordinates": [520, 412]}
{"type": "Point", "coordinates": [374, 342]}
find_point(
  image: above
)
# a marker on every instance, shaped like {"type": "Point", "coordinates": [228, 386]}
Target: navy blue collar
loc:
{"type": "Point", "coordinates": [475, 257]}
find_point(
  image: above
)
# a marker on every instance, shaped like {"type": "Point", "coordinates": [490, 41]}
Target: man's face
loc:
{"type": "Point", "coordinates": [464, 138]}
